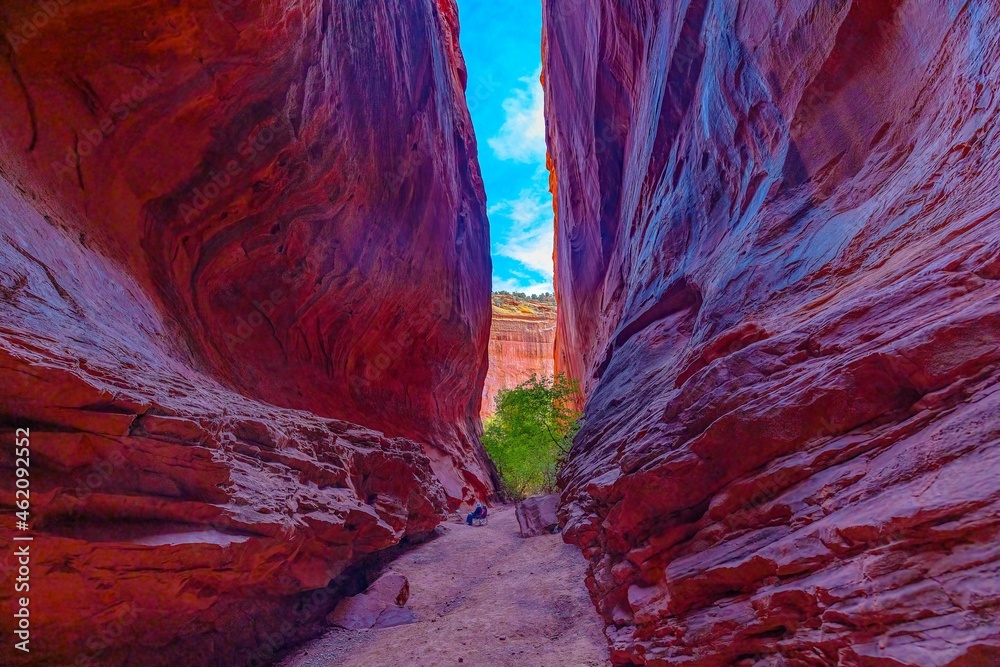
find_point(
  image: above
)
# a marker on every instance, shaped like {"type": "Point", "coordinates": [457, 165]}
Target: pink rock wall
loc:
{"type": "Point", "coordinates": [522, 344]}
{"type": "Point", "coordinates": [174, 521]}
{"type": "Point", "coordinates": [778, 252]}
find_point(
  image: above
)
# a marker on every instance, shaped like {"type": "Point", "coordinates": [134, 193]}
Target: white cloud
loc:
{"type": "Point", "coordinates": [532, 247]}
{"type": "Point", "coordinates": [530, 235]}
{"type": "Point", "coordinates": [527, 236]}
{"type": "Point", "coordinates": [522, 135]}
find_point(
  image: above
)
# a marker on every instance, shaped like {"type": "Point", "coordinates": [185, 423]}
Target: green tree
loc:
{"type": "Point", "coordinates": [530, 435]}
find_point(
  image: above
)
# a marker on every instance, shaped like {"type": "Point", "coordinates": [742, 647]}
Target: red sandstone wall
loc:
{"type": "Point", "coordinates": [778, 254]}
{"type": "Point", "coordinates": [224, 231]}
{"type": "Point", "coordinates": [522, 339]}
{"type": "Point", "coordinates": [313, 225]}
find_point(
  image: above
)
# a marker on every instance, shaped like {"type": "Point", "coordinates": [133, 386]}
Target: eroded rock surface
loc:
{"type": "Point", "coordinates": [244, 303]}
{"type": "Point", "coordinates": [778, 254]}
{"type": "Point", "coordinates": [313, 227]}
{"type": "Point", "coordinates": [522, 344]}
{"type": "Point", "coordinates": [175, 521]}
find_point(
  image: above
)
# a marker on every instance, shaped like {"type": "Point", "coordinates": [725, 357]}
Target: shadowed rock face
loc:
{"type": "Point", "coordinates": [296, 187]}
{"type": "Point", "coordinates": [175, 521]}
{"type": "Point", "coordinates": [778, 253]}
{"type": "Point", "coordinates": [522, 339]}
{"type": "Point", "coordinates": [244, 308]}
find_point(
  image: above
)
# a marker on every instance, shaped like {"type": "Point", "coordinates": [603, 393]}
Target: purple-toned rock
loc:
{"type": "Point", "coordinates": [244, 309]}
{"type": "Point", "coordinates": [391, 588]}
{"type": "Point", "coordinates": [394, 616]}
{"type": "Point", "coordinates": [313, 228]}
{"type": "Point", "coordinates": [358, 612]}
{"type": "Point", "coordinates": [777, 263]}
{"type": "Point", "coordinates": [366, 610]}
{"type": "Point", "coordinates": [537, 515]}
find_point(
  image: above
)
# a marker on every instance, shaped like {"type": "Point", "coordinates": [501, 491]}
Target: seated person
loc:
{"type": "Point", "coordinates": [479, 513]}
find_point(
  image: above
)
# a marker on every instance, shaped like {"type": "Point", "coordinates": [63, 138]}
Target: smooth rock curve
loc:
{"type": "Point", "coordinates": [313, 228]}
{"type": "Point", "coordinates": [244, 310]}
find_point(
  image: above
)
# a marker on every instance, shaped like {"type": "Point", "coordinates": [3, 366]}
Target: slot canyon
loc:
{"type": "Point", "coordinates": [245, 312]}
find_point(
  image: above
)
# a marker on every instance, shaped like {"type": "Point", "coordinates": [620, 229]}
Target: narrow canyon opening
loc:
{"type": "Point", "coordinates": [502, 51]}
{"type": "Point", "coordinates": [253, 314]}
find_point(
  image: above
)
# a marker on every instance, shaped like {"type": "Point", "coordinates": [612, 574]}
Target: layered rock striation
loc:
{"type": "Point", "coordinates": [244, 309]}
{"type": "Point", "coordinates": [174, 521]}
{"type": "Point", "coordinates": [778, 254]}
{"type": "Point", "coordinates": [313, 227]}
{"type": "Point", "coordinates": [522, 340]}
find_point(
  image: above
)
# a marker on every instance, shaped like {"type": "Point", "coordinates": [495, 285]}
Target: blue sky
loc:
{"type": "Point", "coordinates": [501, 40]}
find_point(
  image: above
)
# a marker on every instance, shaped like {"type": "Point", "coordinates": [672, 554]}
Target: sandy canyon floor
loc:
{"type": "Point", "coordinates": [482, 597]}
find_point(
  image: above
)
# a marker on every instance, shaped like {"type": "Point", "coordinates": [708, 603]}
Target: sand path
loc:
{"type": "Point", "coordinates": [483, 597]}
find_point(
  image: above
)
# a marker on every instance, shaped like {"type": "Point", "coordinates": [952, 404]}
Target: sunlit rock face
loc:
{"type": "Point", "coordinates": [522, 339]}
{"type": "Point", "coordinates": [244, 309]}
{"type": "Point", "coordinates": [312, 225]}
{"type": "Point", "coordinates": [778, 252]}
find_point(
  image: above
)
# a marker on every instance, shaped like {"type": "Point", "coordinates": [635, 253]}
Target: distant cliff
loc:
{"type": "Point", "coordinates": [522, 339]}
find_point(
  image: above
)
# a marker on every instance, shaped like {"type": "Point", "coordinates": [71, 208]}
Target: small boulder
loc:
{"type": "Point", "coordinates": [366, 610]}
{"type": "Point", "coordinates": [393, 616]}
{"type": "Point", "coordinates": [359, 612]}
{"type": "Point", "coordinates": [537, 515]}
{"type": "Point", "coordinates": [391, 587]}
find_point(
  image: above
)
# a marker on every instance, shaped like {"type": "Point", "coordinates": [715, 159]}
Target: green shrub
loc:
{"type": "Point", "coordinates": [530, 435]}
